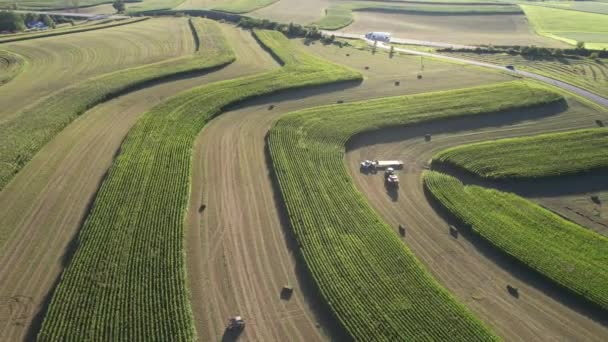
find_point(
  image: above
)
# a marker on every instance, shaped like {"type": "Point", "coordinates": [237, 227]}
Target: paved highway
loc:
{"type": "Point", "coordinates": [566, 86]}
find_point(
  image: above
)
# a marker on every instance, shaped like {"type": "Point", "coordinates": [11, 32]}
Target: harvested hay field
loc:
{"type": "Point", "coordinates": [38, 5]}
{"type": "Point", "coordinates": [56, 62]}
{"type": "Point", "coordinates": [48, 200]}
{"type": "Point", "coordinates": [340, 14]}
{"type": "Point", "coordinates": [37, 124]}
{"type": "Point", "coordinates": [457, 29]}
{"type": "Point", "coordinates": [586, 73]}
{"type": "Point", "coordinates": [81, 27]}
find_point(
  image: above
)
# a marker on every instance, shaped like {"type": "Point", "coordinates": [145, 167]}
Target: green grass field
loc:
{"type": "Point", "coordinates": [586, 73]}
{"type": "Point", "coordinates": [581, 6]}
{"type": "Point", "coordinates": [546, 155]}
{"type": "Point", "coordinates": [371, 280]}
{"type": "Point", "coordinates": [569, 26]}
{"type": "Point", "coordinates": [340, 15]}
{"type": "Point", "coordinates": [131, 246]}
{"type": "Point", "coordinates": [564, 252]}
{"type": "Point", "coordinates": [37, 125]}
{"type": "Point", "coordinates": [10, 66]}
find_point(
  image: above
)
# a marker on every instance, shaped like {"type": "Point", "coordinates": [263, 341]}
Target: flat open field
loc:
{"type": "Point", "coordinates": [476, 274]}
{"type": "Point", "coordinates": [54, 191]}
{"type": "Point", "coordinates": [299, 12]}
{"type": "Point", "coordinates": [457, 29]}
{"type": "Point", "coordinates": [55, 62]}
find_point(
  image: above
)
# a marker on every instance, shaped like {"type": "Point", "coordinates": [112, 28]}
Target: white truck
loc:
{"type": "Point", "coordinates": [381, 164]}
{"type": "Point", "coordinates": [379, 36]}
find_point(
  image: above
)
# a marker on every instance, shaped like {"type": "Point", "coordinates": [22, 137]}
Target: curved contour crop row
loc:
{"type": "Point", "coordinates": [26, 134]}
{"type": "Point", "coordinates": [372, 282]}
{"type": "Point", "coordinates": [127, 280]}
{"type": "Point", "coordinates": [545, 155]}
{"type": "Point", "coordinates": [564, 252]}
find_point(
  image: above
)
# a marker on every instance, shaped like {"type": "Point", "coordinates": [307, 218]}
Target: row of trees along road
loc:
{"type": "Point", "coordinates": [16, 22]}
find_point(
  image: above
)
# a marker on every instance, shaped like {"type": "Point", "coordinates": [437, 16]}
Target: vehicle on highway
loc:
{"type": "Point", "coordinates": [379, 36]}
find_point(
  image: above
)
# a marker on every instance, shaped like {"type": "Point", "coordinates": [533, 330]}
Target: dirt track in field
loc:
{"type": "Point", "coordinates": [476, 273]}
{"type": "Point", "coordinates": [43, 207]}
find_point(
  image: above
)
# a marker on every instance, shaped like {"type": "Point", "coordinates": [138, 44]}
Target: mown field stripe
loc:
{"type": "Point", "coordinates": [60, 32]}
{"type": "Point", "coordinates": [340, 15]}
{"type": "Point", "coordinates": [35, 126]}
{"type": "Point", "coordinates": [563, 251]}
{"type": "Point", "coordinates": [127, 278]}
{"type": "Point", "coordinates": [545, 155]}
{"type": "Point", "coordinates": [372, 282]}
{"type": "Point", "coordinates": [11, 65]}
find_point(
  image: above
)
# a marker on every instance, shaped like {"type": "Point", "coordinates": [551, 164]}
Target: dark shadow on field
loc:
{"type": "Point", "coordinates": [164, 79]}
{"type": "Point", "coordinates": [581, 183]}
{"type": "Point", "coordinates": [392, 191]}
{"type": "Point", "coordinates": [312, 295]}
{"type": "Point", "coordinates": [294, 94]}
{"type": "Point", "coordinates": [454, 125]}
{"type": "Point", "coordinates": [231, 335]}
{"type": "Point", "coordinates": [66, 258]}
{"type": "Point", "coordinates": [519, 270]}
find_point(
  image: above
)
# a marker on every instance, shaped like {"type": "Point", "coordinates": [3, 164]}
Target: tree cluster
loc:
{"type": "Point", "coordinates": [290, 30]}
{"type": "Point", "coordinates": [535, 52]}
{"type": "Point", "coordinates": [11, 22]}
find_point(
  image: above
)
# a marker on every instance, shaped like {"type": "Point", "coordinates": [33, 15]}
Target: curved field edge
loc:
{"type": "Point", "coordinates": [560, 250]}
{"type": "Point", "coordinates": [11, 65]}
{"type": "Point", "coordinates": [60, 32]}
{"type": "Point", "coordinates": [340, 15]}
{"type": "Point", "coordinates": [38, 124]}
{"type": "Point", "coordinates": [545, 155]}
{"type": "Point", "coordinates": [127, 279]}
{"type": "Point", "coordinates": [243, 6]}
{"type": "Point", "coordinates": [370, 279]}
{"type": "Point", "coordinates": [563, 25]}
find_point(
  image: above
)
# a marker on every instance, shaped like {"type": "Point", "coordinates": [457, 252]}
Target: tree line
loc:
{"type": "Point", "coordinates": [16, 22]}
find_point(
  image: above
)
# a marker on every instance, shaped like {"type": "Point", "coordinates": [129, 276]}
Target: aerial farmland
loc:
{"type": "Point", "coordinates": [323, 170]}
